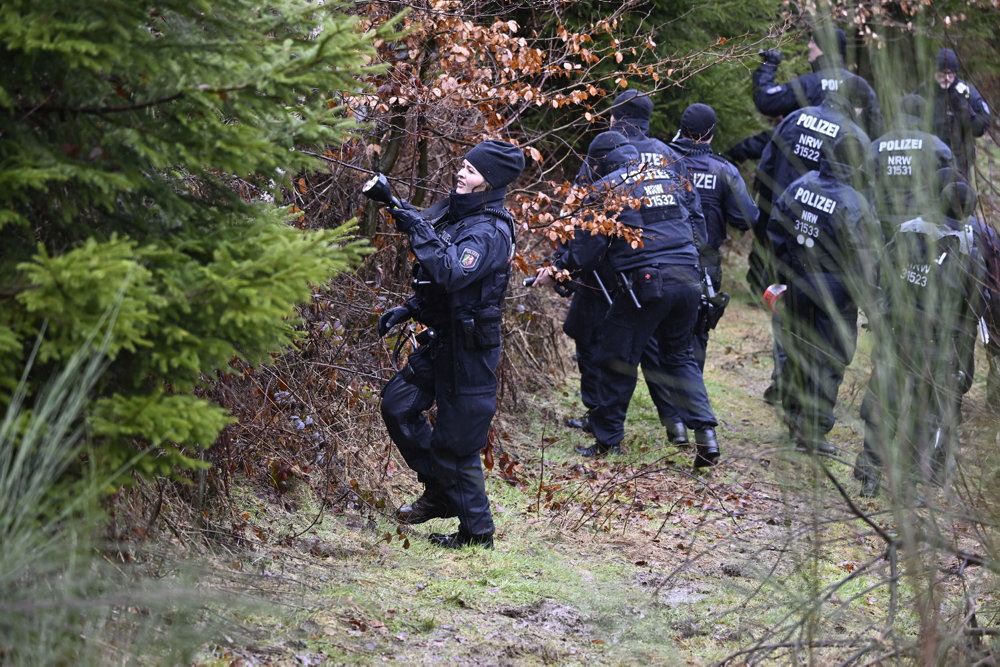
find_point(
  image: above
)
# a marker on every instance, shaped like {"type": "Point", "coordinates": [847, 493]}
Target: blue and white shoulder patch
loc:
{"type": "Point", "coordinates": [774, 89]}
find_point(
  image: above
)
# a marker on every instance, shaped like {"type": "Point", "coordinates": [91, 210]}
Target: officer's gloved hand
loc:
{"type": "Point", "coordinates": [391, 318]}
{"type": "Point", "coordinates": [771, 56]}
{"type": "Point", "coordinates": [406, 216]}
{"type": "Point", "coordinates": [958, 96]}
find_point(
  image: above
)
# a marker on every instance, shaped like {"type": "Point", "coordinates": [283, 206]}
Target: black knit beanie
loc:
{"type": "Point", "coordinates": [946, 59]}
{"type": "Point", "coordinates": [632, 104]}
{"type": "Point", "coordinates": [959, 200]}
{"type": "Point", "coordinates": [829, 37]}
{"type": "Point", "coordinates": [913, 105]}
{"type": "Point", "coordinates": [698, 122]}
{"type": "Point", "coordinates": [602, 145]}
{"type": "Point", "coordinates": [499, 162]}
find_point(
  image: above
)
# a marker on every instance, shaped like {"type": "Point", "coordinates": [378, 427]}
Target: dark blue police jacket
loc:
{"type": "Point", "coordinates": [942, 277]}
{"type": "Point", "coordinates": [464, 254]}
{"type": "Point", "coordinates": [822, 225]}
{"type": "Point", "coordinates": [668, 218]}
{"type": "Point", "coordinates": [723, 193]}
{"type": "Point", "coordinates": [773, 99]}
{"type": "Point", "coordinates": [797, 144]}
{"type": "Point", "coordinates": [907, 160]}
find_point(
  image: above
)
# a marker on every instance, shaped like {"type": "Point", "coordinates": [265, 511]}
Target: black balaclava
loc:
{"type": "Point", "coordinates": [831, 40]}
{"type": "Point", "coordinates": [959, 199]}
{"type": "Point", "coordinates": [632, 104]}
{"type": "Point", "coordinates": [632, 111]}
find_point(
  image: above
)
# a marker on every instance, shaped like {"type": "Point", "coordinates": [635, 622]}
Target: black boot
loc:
{"type": "Point", "coordinates": [772, 395]}
{"type": "Point", "coordinates": [461, 539]}
{"type": "Point", "coordinates": [597, 449]}
{"type": "Point", "coordinates": [430, 505]}
{"type": "Point", "coordinates": [677, 433]}
{"type": "Point", "coordinates": [582, 423]}
{"type": "Point", "coordinates": [868, 469]}
{"type": "Point", "coordinates": [815, 445]}
{"type": "Point", "coordinates": [993, 382]}
{"type": "Point", "coordinates": [707, 448]}
{"type": "Point", "coordinates": [870, 484]}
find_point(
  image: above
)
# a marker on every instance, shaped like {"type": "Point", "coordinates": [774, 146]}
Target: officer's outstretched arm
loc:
{"type": "Point", "coordinates": [779, 100]}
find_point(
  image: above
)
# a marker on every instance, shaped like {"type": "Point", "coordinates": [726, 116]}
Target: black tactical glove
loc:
{"type": "Point", "coordinates": [771, 56]}
{"type": "Point", "coordinates": [958, 97]}
{"type": "Point", "coordinates": [406, 216]}
{"type": "Point", "coordinates": [391, 318]}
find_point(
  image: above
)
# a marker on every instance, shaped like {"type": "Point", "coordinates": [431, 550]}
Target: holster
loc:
{"type": "Point", "coordinates": [480, 334]}
{"type": "Point", "coordinates": [710, 312]}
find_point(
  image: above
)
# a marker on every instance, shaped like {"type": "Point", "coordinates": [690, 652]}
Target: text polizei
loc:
{"type": "Point", "coordinates": [648, 175]}
{"type": "Point", "coordinates": [654, 159]}
{"type": "Point", "coordinates": [704, 180]}
{"type": "Point", "coordinates": [900, 145]}
{"type": "Point", "coordinates": [818, 125]}
{"type": "Point", "coordinates": [807, 197]}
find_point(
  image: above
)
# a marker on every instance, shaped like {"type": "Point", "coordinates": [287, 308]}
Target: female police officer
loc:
{"type": "Point", "coordinates": [463, 245]}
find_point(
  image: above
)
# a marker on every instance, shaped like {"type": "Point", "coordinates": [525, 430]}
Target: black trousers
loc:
{"type": "Point", "coordinates": [583, 324]}
{"type": "Point", "coordinates": [820, 331]}
{"type": "Point", "coordinates": [915, 389]}
{"type": "Point", "coordinates": [463, 385]}
{"type": "Point", "coordinates": [668, 314]}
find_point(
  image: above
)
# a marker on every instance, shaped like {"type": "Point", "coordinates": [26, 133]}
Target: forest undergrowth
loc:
{"type": "Point", "coordinates": [769, 557]}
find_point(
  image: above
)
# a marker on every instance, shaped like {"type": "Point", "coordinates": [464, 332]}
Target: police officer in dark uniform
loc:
{"type": "Point", "coordinates": [959, 114]}
{"type": "Point", "coordinates": [723, 193]}
{"type": "Point", "coordinates": [796, 145]}
{"type": "Point", "coordinates": [827, 50]}
{"type": "Point", "coordinates": [931, 297]}
{"type": "Point", "coordinates": [630, 115]}
{"type": "Point", "coordinates": [752, 148]}
{"type": "Point", "coordinates": [661, 288]}
{"type": "Point", "coordinates": [724, 201]}
{"type": "Point", "coordinates": [825, 237]}
{"type": "Point", "coordinates": [907, 161]}
{"type": "Point", "coordinates": [464, 246]}
{"type": "Point", "coordinates": [794, 150]}
{"type": "Point", "coordinates": [988, 242]}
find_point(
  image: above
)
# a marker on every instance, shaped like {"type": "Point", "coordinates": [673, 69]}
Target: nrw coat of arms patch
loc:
{"type": "Point", "coordinates": [469, 258]}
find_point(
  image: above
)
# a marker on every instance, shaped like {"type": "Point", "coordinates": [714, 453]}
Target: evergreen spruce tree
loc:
{"type": "Point", "coordinates": [142, 149]}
